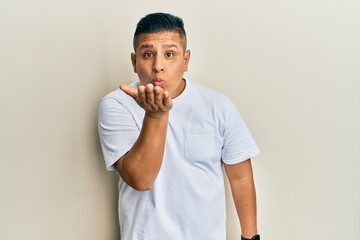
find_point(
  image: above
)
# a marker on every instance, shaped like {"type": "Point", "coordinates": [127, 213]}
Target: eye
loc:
{"type": "Point", "coordinates": [148, 54]}
{"type": "Point", "coordinates": [169, 55]}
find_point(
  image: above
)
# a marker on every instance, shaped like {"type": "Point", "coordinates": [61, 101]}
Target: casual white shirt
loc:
{"type": "Point", "coordinates": [187, 200]}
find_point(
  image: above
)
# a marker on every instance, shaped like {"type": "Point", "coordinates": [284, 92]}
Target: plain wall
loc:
{"type": "Point", "coordinates": [292, 68]}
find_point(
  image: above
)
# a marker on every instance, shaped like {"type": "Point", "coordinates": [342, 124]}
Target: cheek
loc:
{"type": "Point", "coordinates": [141, 68]}
{"type": "Point", "coordinates": [179, 70]}
{"type": "Point", "coordinates": [144, 74]}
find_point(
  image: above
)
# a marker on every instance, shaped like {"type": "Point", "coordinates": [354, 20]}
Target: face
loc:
{"type": "Point", "coordinates": [161, 60]}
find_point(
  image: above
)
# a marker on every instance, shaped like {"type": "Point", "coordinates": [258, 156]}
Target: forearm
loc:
{"type": "Point", "coordinates": [141, 165]}
{"type": "Point", "coordinates": [245, 201]}
{"type": "Point", "coordinates": [243, 190]}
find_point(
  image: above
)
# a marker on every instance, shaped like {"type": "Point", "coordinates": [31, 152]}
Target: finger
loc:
{"type": "Point", "coordinates": [141, 95]}
{"type": "Point", "coordinates": [167, 100]}
{"type": "Point", "coordinates": [132, 92]}
{"type": "Point", "coordinates": [149, 94]}
{"type": "Point", "coordinates": [158, 94]}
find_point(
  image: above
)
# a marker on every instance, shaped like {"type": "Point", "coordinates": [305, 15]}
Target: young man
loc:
{"type": "Point", "coordinates": [168, 139]}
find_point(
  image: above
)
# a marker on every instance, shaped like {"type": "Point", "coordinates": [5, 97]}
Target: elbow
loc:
{"type": "Point", "coordinates": [141, 183]}
{"type": "Point", "coordinates": [138, 184]}
{"type": "Point", "coordinates": [142, 186]}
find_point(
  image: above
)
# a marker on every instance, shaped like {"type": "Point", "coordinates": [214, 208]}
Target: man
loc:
{"type": "Point", "coordinates": [168, 139]}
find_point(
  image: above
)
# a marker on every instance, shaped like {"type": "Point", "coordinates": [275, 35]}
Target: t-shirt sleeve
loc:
{"type": "Point", "coordinates": [238, 143]}
{"type": "Point", "coordinates": [117, 130]}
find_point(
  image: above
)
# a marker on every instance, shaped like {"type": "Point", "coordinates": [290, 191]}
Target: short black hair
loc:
{"type": "Point", "coordinates": [159, 22]}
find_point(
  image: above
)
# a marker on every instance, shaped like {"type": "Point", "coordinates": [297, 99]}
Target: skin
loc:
{"type": "Point", "coordinates": [241, 180]}
{"type": "Point", "coordinates": [160, 61]}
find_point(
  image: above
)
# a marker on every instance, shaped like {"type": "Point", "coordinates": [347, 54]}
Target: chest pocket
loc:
{"type": "Point", "coordinates": [201, 144]}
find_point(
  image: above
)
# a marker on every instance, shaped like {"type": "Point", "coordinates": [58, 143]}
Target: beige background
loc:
{"type": "Point", "coordinates": [292, 68]}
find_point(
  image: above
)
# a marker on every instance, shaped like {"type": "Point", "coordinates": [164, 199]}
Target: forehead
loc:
{"type": "Point", "coordinates": [159, 39]}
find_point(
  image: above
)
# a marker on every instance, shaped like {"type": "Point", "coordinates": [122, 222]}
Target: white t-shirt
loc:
{"type": "Point", "coordinates": [187, 200]}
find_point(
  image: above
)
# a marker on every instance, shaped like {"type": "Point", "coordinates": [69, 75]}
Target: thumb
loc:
{"type": "Point", "coordinates": [132, 92]}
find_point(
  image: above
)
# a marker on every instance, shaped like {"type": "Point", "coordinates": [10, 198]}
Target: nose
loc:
{"type": "Point", "coordinates": [158, 65]}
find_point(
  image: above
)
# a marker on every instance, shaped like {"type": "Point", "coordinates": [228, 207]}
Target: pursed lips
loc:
{"type": "Point", "coordinates": [158, 82]}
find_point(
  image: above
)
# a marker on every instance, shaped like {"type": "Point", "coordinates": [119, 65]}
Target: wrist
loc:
{"type": "Point", "coordinates": [256, 237]}
{"type": "Point", "coordinates": [157, 115]}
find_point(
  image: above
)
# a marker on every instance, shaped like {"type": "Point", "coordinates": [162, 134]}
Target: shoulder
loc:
{"type": "Point", "coordinates": [116, 105]}
{"type": "Point", "coordinates": [112, 99]}
{"type": "Point", "coordinates": [118, 98]}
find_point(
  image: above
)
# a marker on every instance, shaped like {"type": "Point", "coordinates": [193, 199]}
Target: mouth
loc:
{"type": "Point", "coordinates": [158, 82]}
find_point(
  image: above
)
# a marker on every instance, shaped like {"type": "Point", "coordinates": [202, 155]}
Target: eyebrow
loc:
{"type": "Point", "coordinates": [170, 46]}
{"type": "Point", "coordinates": [147, 46]}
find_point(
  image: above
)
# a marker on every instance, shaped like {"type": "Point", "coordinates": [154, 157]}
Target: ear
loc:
{"type": "Point", "coordinates": [133, 61]}
{"type": "Point", "coordinates": [186, 59]}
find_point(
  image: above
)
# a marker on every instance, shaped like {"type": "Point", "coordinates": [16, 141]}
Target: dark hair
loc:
{"type": "Point", "coordinates": [159, 22]}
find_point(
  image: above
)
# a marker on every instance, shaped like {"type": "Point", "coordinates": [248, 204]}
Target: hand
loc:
{"type": "Point", "coordinates": [154, 100]}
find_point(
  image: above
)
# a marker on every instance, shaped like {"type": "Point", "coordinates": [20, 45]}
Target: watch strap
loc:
{"type": "Point", "coordinates": [256, 237]}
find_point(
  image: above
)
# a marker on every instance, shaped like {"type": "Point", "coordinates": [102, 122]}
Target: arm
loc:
{"type": "Point", "coordinates": [241, 180]}
{"type": "Point", "coordinates": [141, 164]}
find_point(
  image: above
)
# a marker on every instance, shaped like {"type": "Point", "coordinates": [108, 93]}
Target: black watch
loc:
{"type": "Point", "coordinates": [256, 237]}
